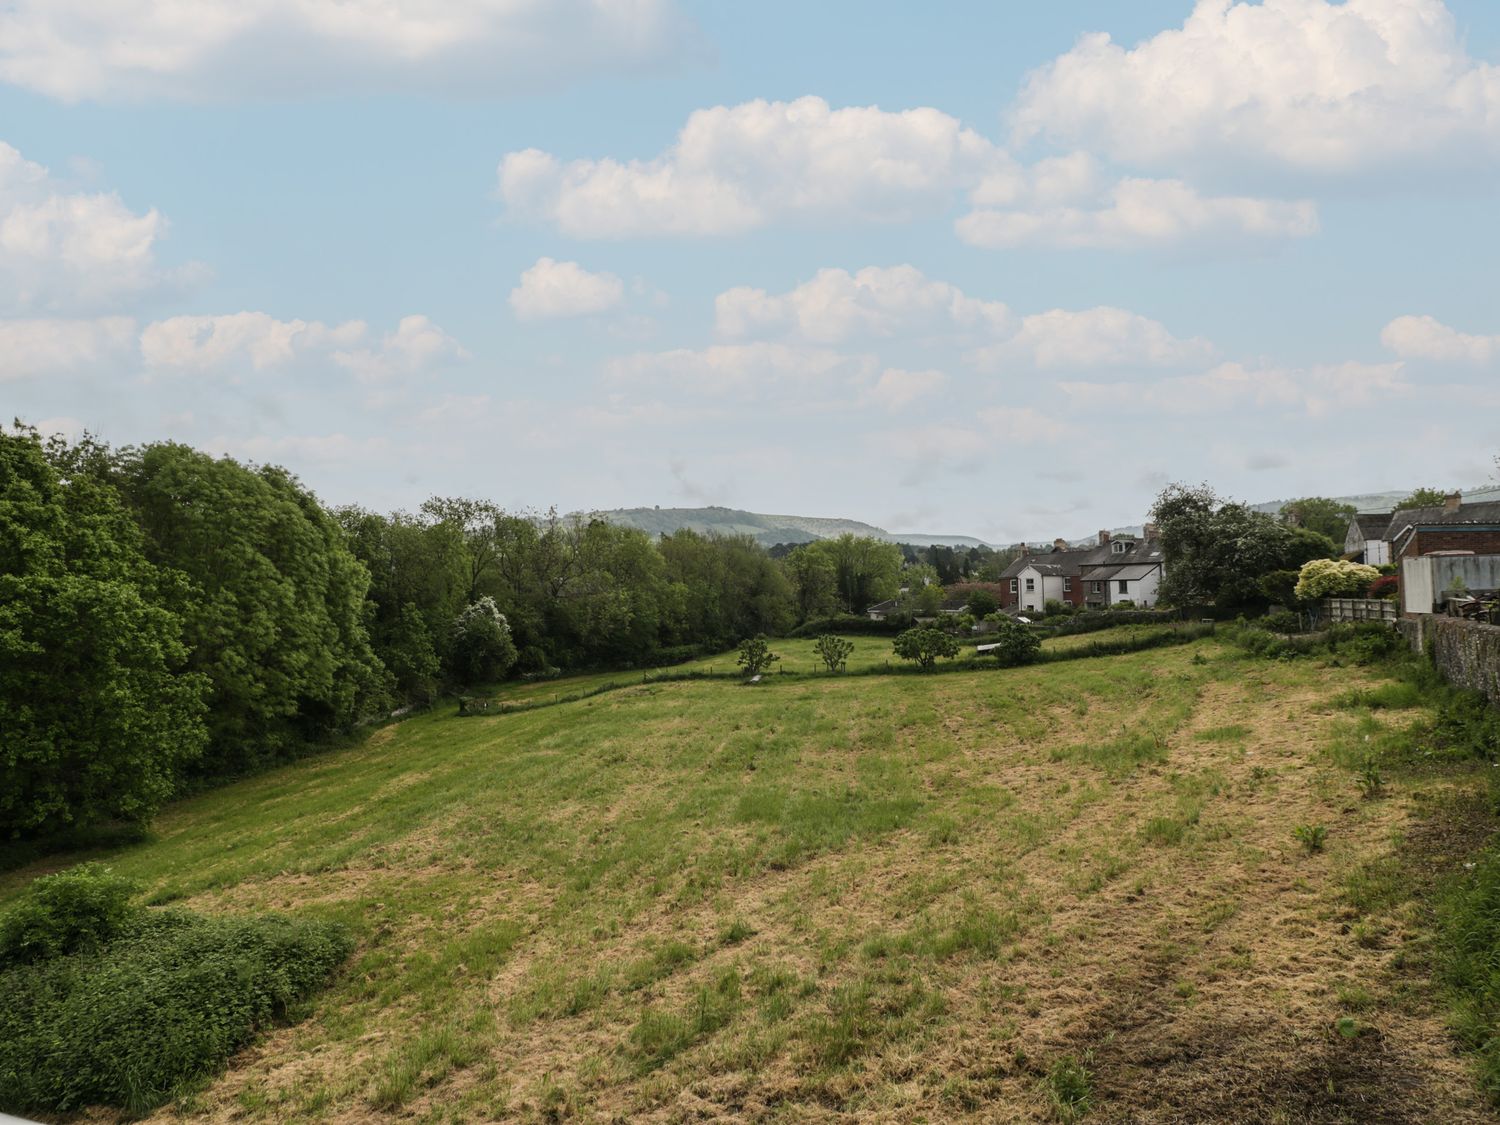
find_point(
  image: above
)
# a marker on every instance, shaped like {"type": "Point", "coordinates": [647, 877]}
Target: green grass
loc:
{"type": "Point", "coordinates": [589, 908]}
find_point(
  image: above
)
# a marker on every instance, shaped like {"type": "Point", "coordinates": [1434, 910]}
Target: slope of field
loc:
{"type": "Point", "coordinates": [988, 895]}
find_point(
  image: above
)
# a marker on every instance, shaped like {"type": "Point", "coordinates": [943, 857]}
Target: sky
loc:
{"type": "Point", "coordinates": [1000, 269]}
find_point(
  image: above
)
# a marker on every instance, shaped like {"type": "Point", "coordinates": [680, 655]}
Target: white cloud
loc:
{"type": "Point", "coordinates": [1023, 425]}
{"type": "Point", "coordinates": [30, 348]}
{"type": "Point", "coordinates": [552, 289]}
{"type": "Point", "coordinates": [1306, 84]}
{"type": "Point", "coordinates": [736, 168]}
{"type": "Point", "coordinates": [418, 345]}
{"type": "Point", "coordinates": [229, 342]}
{"type": "Point", "coordinates": [875, 301]}
{"type": "Point", "coordinates": [299, 449]}
{"type": "Point", "coordinates": [203, 343]}
{"type": "Point", "coordinates": [739, 368]}
{"type": "Point", "coordinates": [1423, 337]}
{"type": "Point", "coordinates": [901, 301]}
{"type": "Point", "coordinates": [262, 49]}
{"type": "Point", "coordinates": [1228, 388]}
{"type": "Point", "coordinates": [62, 250]}
{"type": "Point", "coordinates": [1134, 213]}
{"type": "Point", "coordinates": [897, 389]}
{"type": "Point", "coordinates": [1098, 337]}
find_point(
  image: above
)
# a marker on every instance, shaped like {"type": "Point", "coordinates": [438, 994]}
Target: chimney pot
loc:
{"type": "Point", "coordinates": [1452, 501]}
{"type": "Point", "coordinates": [1059, 544]}
{"type": "Point", "coordinates": [1151, 531]}
{"type": "Point", "coordinates": [1103, 538]}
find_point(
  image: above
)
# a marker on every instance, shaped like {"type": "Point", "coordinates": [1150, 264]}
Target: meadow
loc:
{"type": "Point", "coordinates": [1032, 894]}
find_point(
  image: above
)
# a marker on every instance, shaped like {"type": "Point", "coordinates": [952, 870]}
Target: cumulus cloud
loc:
{"type": "Point", "coordinates": [30, 348]}
{"type": "Point", "coordinates": [1230, 387]}
{"type": "Point", "coordinates": [1305, 84]}
{"type": "Point", "coordinates": [896, 389]}
{"type": "Point", "coordinates": [739, 368]}
{"type": "Point", "coordinates": [1135, 213]}
{"type": "Point", "coordinates": [230, 342]}
{"type": "Point", "coordinates": [552, 289]}
{"type": "Point", "coordinates": [217, 49]}
{"type": "Point", "coordinates": [1098, 337]}
{"type": "Point", "coordinates": [901, 301]}
{"type": "Point", "coordinates": [70, 251]}
{"type": "Point", "coordinates": [1423, 337]}
{"type": "Point", "coordinates": [836, 305]}
{"type": "Point", "coordinates": [736, 168]}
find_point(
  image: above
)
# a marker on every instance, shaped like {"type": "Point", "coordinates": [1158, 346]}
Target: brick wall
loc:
{"type": "Point", "coordinates": [1426, 542]}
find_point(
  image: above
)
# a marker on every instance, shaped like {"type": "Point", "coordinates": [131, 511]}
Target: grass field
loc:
{"type": "Point", "coordinates": [1033, 894]}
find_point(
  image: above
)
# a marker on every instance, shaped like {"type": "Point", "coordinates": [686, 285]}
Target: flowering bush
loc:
{"type": "Point", "coordinates": [1334, 578]}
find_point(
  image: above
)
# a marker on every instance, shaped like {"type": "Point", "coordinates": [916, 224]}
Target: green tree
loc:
{"type": "Point", "coordinates": [867, 570]}
{"type": "Point", "coordinates": [925, 645]}
{"type": "Point", "coordinates": [272, 599]}
{"type": "Point", "coordinates": [756, 655]}
{"type": "Point", "coordinates": [982, 603]}
{"type": "Point", "coordinates": [96, 714]}
{"type": "Point", "coordinates": [482, 649]}
{"type": "Point", "coordinates": [1219, 551]}
{"type": "Point", "coordinates": [815, 581]}
{"type": "Point", "coordinates": [1014, 643]}
{"type": "Point", "coordinates": [1319, 514]}
{"type": "Point", "coordinates": [1422, 498]}
{"type": "Point", "coordinates": [834, 652]}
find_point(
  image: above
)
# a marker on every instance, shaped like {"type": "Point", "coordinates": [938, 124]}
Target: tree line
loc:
{"type": "Point", "coordinates": [169, 618]}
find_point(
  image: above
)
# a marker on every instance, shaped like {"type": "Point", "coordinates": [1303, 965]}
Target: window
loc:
{"type": "Point", "coordinates": [1013, 585]}
{"type": "Point", "coordinates": [1124, 586]}
{"type": "Point", "coordinates": [1118, 548]}
{"type": "Point", "coordinates": [1030, 585]}
{"type": "Point", "coordinates": [1067, 585]}
{"type": "Point", "coordinates": [1098, 587]}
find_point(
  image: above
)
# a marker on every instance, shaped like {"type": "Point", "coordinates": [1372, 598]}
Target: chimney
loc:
{"type": "Point", "coordinates": [1059, 544]}
{"type": "Point", "coordinates": [1452, 501]}
{"type": "Point", "coordinates": [1103, 538]}
{"type": "Point", "coordinates": [1151, 531]}
{"type": "Point", "coordinates": [1024, 550]}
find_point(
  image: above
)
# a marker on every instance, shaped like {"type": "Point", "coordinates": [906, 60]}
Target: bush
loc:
{"type": "Point", "coordinates": [1334, 578]}
{"type": "Point", "coordinates": [982, 603]}
{"type": "Point", "coordinates": [925, 646]}
{"type": "Point", "coordinates": [834, 652]}
{"type": "Point", "coordinates": [1016, 644]}
{"type": "Point", "coordinates": [849, 623]}
{"type": "Point", "coordinates": [1386, 586]}
{"type": "Point", "coordinates": [756, 655]}
{"type": "Point", "coordinates": [1055, 608]}
{"type": "Point", "coordinates": [1282, 621]}
{"type": "Point", "coordinates": [79, 909]}
{"type": "Point", "coordinates": [170, 998]}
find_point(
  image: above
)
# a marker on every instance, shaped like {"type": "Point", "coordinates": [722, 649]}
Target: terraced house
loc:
{"type": "Point", "coordinates": [1119, 568]}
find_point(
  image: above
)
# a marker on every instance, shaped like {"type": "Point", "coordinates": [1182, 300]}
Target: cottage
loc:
{"type": "Point", "coordinates": [1366, 542]}
{"type": "Point", "coordinates": [1116, 569]}
{"type": "Point", "coordinates": [1451, 526]}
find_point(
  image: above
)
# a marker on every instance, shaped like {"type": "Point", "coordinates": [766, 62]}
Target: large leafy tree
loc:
{"type": "Point", "coordinates": [1320, 514]}
{"type": "Point", "coordinates": [96, 715]}
{"type": "Point", "coordinates": [273, 603]}
{"type": "Point", "coordinates": [1219, 551]}
{"type": "Point", "coordinates": [866, 570]}
{"type": "Point", "coordinates": [1422, 498]}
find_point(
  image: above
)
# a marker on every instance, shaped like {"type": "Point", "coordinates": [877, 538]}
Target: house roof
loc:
{"type": "Point", "coordinates": [883, 607]}
{"type": "Point", "coordinates": [1073, 563]}
{"type": "Point", "coordinates": [1372, 525]}
{"type": "Point", "coordinates": [1485, 514]}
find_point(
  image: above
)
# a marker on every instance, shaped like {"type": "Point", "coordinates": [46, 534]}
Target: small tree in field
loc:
{"type": "Point", "coordinates": [834, 652]}
{"type": "Point", "coordinates": [925, 645]}
{"type": "Point", "coordinates": [1016, 644]}
{"type": "Point", "coordinates": [756, 655]}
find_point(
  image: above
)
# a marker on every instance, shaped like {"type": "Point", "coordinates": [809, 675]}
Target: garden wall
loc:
{"type": "Point", "coordinates": [1467, 653]}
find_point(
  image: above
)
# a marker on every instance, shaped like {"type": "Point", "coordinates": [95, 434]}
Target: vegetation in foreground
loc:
{"type": "Point", "coordinates": [1045, 893]}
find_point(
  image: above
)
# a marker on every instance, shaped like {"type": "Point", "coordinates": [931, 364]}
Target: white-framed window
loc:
{"type": "Point", "coordinates": [1067, 585]}
{"type": "Point", "coordinates": [1013, 584]}
{"type": "Point", "coordinates": [1124, 586]}
{"type": "Point", "coordinates": [1098, 587]}
{"type": "Point", "coordinates": [1030, 585]}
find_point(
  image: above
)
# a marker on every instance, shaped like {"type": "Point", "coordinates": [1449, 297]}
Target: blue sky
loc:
{"type": "Point", "coordinates": [997, 269]}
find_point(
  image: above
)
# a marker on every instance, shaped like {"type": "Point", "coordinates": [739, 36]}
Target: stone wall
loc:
{"type": "Point", "coordinates": [1465, 652]}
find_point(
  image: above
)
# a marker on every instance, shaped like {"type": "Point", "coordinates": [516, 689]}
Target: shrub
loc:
{"type": "Point", "coordinates": [1016, 644]}
{"type": "Point", "coordinates": [834, 652]}
{"type": "Point", "coordinates": [79, 909]}
{"type": "Point", "coordinates": [1334, 578]}
{"type": "Point", "coordinates": [1386, 586]}
{"type": "Point", "coordinates": [1282, 621]}
{"type": "Point", "coordinates": [481, 648]}
{"type": "Point", "coordinates": [1312, 837]}
{"type": "Point", "coordinates": [170, 998]}
{"type": "Point", "coordinates": [982, 603]}
{"type": "Point", "coordinates": [756, 655]}
{"type": "Point", "coordinates": [925, 645]}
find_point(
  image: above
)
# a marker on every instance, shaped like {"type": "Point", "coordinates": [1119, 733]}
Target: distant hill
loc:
{"type": "Point", "coordinates": [767, 529]}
